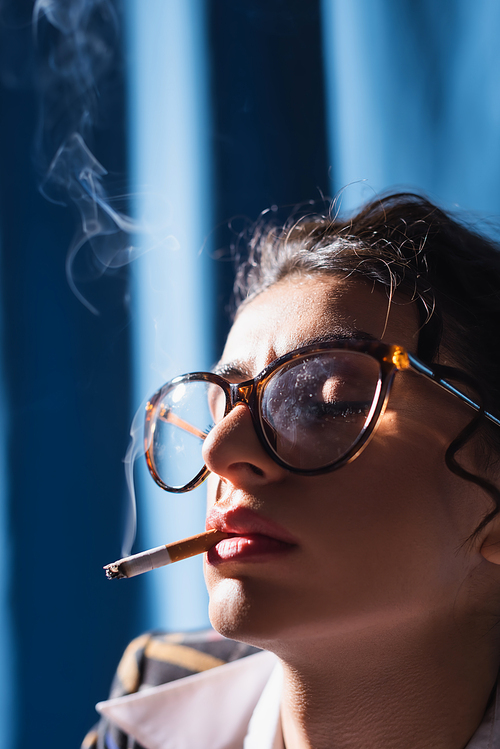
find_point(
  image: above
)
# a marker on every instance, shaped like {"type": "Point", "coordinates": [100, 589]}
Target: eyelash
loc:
{"type": "Point", "coordinates": [343, 408]}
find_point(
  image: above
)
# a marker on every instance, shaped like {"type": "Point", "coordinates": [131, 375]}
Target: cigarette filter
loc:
{"type": "Point", "coordinates": [162, 555]}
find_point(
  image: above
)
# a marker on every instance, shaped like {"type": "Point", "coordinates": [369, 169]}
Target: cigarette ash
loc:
{"type": "Point", "coordinates": [113, 572]}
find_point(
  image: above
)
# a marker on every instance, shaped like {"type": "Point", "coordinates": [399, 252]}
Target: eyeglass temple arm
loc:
{"type": "Point", "coordinates": [171, 418]}
{"type": "Point", "coordinates": [422, 368]}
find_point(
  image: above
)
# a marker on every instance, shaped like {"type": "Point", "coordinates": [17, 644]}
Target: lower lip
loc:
{"type": "Point", "coordinates": [253, 547]}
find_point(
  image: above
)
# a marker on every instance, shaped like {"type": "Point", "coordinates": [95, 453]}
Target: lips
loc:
{"type": "Point", "coordinates": [252, 537]}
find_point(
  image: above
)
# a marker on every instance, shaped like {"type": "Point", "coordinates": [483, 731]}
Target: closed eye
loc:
{"type": "Point", "coordinates": [341, 408]}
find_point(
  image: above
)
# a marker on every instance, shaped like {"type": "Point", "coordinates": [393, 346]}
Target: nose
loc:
{"type": "Point", "coordinates": [233, 451]}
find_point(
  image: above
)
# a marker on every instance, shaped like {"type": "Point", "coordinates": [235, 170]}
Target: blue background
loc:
{"type": "Point", "coordinates": [204, 113]}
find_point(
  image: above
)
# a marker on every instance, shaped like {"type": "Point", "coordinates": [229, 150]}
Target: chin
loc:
{"type": "Point", "coordinates": [238, 615]}
{"type": "Point", "coordinates": [231, 613]}
{"type": "Point", "coordinates": [247, 611]}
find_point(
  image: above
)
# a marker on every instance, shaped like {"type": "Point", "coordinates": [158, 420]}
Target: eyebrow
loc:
{"type": "Point", "coordinates": [344, 334]}
{"type": "Point", "coordinates": [238, 371]}
{"type": "Point", "coordinates": [232, 371]}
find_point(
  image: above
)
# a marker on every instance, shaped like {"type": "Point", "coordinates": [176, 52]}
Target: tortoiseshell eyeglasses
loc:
{"type": "Point", "coordinates": [314, 409]}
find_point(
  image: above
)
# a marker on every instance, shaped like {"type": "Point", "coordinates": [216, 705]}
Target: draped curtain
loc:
{"type": "Point", "coordinates": [213, 112]}
{"type": "Point", "coordinates": [413, 97]}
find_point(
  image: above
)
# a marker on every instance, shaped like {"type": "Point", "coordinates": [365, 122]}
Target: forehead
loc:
{"type": "Point", "coordinates": [301, 310]}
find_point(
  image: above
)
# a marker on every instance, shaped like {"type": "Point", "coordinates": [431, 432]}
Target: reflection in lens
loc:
{"type": "Point", "coordinates": [314, 409]}
{"type": "Point", "coordinates": [181, 421]}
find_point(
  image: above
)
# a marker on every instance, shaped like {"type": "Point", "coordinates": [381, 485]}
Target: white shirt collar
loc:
{"type": "Point", "coordinates": [233, 706]}
{"type": "Point", "coordinates": [264, 729]}
{"type": "Point", "coordinates": [212, 709]}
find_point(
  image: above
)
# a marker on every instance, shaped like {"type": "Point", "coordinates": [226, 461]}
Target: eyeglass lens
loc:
{"type": "Point", "coordinates": [179, 425]}
{"type": "Point", "coordinates": [312, 411]}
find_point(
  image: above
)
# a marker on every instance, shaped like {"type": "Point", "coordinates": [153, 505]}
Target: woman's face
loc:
{"type": "Point", "coordinates": [374, 543]}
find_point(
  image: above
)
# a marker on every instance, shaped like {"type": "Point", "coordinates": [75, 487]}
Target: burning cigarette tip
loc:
{"type": "Point", "coordinates": [113, 572]}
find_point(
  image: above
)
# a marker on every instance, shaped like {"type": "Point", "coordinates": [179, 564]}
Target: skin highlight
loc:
{"type": "Point", "coordinates": [383, 617]}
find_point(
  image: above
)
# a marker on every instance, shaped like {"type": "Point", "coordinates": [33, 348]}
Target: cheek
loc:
{"type": "Point", "coordinates": [396, 512]}
{"type": "Point", "coordinates": [409, 508]}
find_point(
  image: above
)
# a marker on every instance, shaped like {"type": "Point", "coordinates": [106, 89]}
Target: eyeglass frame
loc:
{"type": "Point", "coordinates": [391, 359]}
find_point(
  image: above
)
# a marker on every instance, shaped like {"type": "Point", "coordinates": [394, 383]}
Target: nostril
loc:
{"type": "Point", "coordinates": [256, 470]}
{"type": "Point", "coordinates": [247, 466]}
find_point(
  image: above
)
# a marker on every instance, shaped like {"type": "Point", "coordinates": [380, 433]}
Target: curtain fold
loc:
{"type": "Point", "coordinates": [219, 111]}
{"type": "Point", "coordinates": [413, 99]}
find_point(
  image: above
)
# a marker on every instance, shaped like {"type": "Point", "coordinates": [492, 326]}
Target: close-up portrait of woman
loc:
{"type": "Point", "coordinates": [249, 374]}
{"type": "Point", "coordinates": [352, 450]}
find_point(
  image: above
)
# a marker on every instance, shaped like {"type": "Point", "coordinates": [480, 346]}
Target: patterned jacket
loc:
{"type": "Point", "coordinates": [157, 658]}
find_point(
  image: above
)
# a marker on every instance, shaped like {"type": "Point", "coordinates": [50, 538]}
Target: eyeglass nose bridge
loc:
{"type": "Point", "coordinates": [242, 392]}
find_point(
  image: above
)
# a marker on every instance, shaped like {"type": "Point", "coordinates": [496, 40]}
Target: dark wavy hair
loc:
{"type": "Point", "coordinates": [405, 244]}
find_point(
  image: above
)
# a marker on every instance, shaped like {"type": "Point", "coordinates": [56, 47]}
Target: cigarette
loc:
{"type": "Point", "coordinates": [162, 555]}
